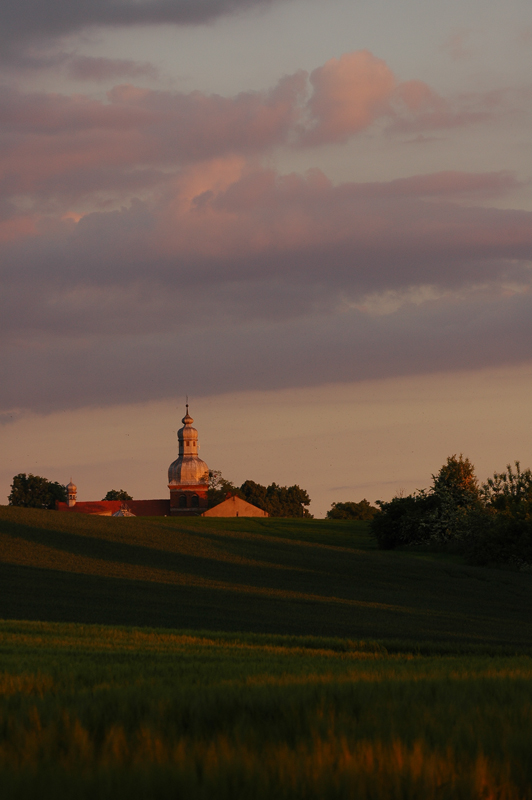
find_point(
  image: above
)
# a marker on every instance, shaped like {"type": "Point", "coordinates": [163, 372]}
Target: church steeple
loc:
{"type": "Point", "coordinates": [188, 475]}
{"type": "Point", "coordinates": [187, 437]}
{"type": "Point", "coordinates": [72, 493]}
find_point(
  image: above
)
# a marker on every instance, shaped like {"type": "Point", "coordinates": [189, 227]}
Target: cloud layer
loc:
{"type": "Point", "coordinates": [41, 22]}
{"type": "Point", "coordinates": [143, 242]}
{"type": "Point", "coordinates": [67, 147]}
{"type": "Point", "coordinates": [265, 280]}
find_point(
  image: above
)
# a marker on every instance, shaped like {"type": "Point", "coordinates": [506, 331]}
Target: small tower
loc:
{"type": "Point", "coordinates": [72, 493]}
{"type": "Point", "coordinates": [188, 475]}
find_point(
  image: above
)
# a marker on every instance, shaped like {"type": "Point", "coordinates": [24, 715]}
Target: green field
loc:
{"type": "Point", "coordinates": [278, 658]}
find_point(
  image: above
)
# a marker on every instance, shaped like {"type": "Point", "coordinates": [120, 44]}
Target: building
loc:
{"type": "Point", "coordinates": [235, 507]}
{"type": "Point", "coordinates": [188, 475]}
{"type": "Point", "coordinates": [188, 482]}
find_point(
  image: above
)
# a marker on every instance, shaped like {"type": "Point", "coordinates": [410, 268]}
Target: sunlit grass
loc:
{"type": "Point", "coordinates": [91, 711]}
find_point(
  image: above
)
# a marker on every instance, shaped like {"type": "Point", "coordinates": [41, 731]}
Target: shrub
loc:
{"type": "Point", "coordinates": [351, 510]}
{"type": "Point", "coordinates": [398, 522]}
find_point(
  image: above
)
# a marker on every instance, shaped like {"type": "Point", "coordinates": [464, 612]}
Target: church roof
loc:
{"type": "Point", "coordinates": [235, 507]}
{"type": "Point", "coordinates": [108, 508]}
{"type": "Point", "coordinates": [102, 508]}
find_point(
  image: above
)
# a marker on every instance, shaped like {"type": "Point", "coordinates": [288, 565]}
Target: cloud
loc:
{"type": "Point", "coordinates": [242, 278]}
{"type": "Point", "coordinates": [88, 68]}
{"type": "Point", "coordinates": [59, 146]}
{"type": "Point", "coordinates": [349, 94]}
{"type": "Point", "coordinates": [67, 144]}
{"type": "Point", "coordinates": [41, 22]}
{"type": "Point", "coordinates": [456, 45]}
{"type": "Point", "coordinates": [141, 238]}
{"type": "Point", "coordinates": [72, 372]}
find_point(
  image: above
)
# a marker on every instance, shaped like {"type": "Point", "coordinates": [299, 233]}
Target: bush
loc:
{"type": "Point", "coordinates": [398, 522]}
{"type": "Point", "coordinates": [350, 510]}
{"type": "Point", "coordinates": [488, 525]}
{"type": "Point", "coordinates": [436, 516]}
{"type": "Point", "coordinates": [494, 537]}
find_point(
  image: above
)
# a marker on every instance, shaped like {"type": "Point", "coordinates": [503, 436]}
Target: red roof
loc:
{"type": "Point", "coordinates": [149, 508]}
{"type": "Point", "coordinates": [140, 508]}
{"type": "Point", "coordinates": [92, 507]}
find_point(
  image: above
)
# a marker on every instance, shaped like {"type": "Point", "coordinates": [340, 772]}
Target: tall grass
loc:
{"type": "Point", "coordinates": [114, 713]}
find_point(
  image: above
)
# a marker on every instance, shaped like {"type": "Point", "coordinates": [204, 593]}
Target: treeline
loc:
{"type": "Point", "coordinates": [489, 523]}
{"type": "Point", "coordinates": [278, 501]}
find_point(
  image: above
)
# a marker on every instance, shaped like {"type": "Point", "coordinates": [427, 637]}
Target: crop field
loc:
{"type": "Point", "coordinates": [298, 577]}
{"type": "Point", "coordinates": [278, 659]}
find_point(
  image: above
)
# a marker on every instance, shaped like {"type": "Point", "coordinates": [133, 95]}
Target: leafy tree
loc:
{"type": "Point", "coordinates": [255, 494]}
{"type": "Point", "coordinates": [457, 480]}
{"type": "Point", "coordinates": [509, 491]}
{"type": "Point", "coordinates": [33, 491]}
{"type": "Point", "coordinates": [350, 510]}
{"type": "Point", "coordinates": [117, 494]}
{"type": "Point", "coordinates": [219, 489]}
{"type": "Point", "coordinates": [278, 501]}
{"type": "Point", "coordinates": [438, 515]}
{"type": "Point", "coordinates": [500, 532]}
{"type": "Point", "coordinates": [491, 524]}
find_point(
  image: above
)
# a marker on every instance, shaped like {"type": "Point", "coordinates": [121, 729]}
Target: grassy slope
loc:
{"type": "Point", "coordinates": [311, 577]}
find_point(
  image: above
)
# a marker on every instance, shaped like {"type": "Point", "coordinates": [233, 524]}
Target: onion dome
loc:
{"type": "Point", "coordinates": [188, 468]}
{"type": "Point", "coordinates": [71, 487]}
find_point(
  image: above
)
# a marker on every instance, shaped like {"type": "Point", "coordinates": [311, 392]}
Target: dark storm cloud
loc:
{"type": "Point", "coordinates": [61, 373]}
{"type": "Point", "coordinates": [27, 22]}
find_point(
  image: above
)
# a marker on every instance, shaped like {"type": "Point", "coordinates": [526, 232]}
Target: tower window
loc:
{"type": "Point", "coordinates": [195, 501]}
{"type": "Point", "coordinates": [182, 501]}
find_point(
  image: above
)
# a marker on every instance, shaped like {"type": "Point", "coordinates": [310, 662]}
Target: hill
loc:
{"type": "Point", "coordinates": [274, 576]}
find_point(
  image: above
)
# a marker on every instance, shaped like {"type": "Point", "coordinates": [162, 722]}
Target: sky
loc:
{"type": "Point", "coordinates": [313, 218]}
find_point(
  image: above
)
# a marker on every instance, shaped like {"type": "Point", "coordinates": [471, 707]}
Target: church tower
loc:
{"type": "Point", "coordinates": [188, 475]}
{"type": "Point", "coordinates": [72, 493]}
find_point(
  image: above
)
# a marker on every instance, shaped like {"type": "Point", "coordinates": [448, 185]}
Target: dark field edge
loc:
{"type": "Point", "coordinates": [380, 647]}
{"type": "Point", "coordinates": [353, 534]}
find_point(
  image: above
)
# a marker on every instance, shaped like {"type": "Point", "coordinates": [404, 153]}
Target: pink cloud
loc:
{"type": "Point", "coordinates": [226, 212]}
{"type": "Point", "coordinates": [55, 145]}
{"type": "Point", "coordinates": [349, 94]}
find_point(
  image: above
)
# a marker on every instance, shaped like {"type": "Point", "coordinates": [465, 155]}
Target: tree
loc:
{"type": "Point", "coordinates": [278, 501]}
{"type": "Point", "coordinates": [117, 494]}
{"type": "Point", "coordinates": [500, 532]}
{"type": "Point", "coordinates": [457, 478]}
{"type": "Point", "coordinates": [438, 515]}
{"type": "Point", "coordinates": [34, 491]}
{"type": "Point", "coordinates": [219, 489]}
{"type": "Point", "coordinates": [350, 510]}
{"type": "Point", "coordinates": [509, 491]}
